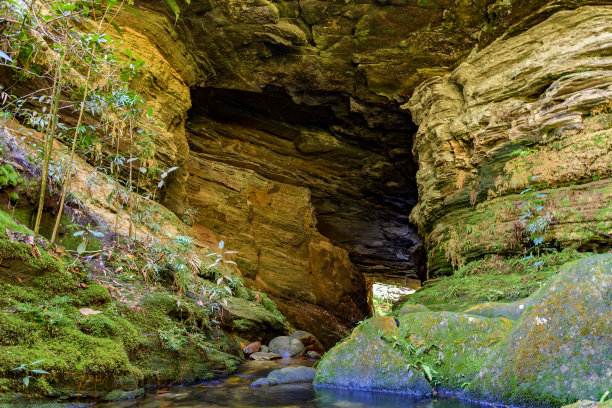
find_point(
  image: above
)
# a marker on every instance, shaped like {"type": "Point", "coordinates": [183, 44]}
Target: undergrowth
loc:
{"type": "Point", "coordinates": [492, 279]}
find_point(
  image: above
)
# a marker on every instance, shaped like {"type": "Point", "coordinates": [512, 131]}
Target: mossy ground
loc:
{"type": "Point", "coordinates": [492, 279]}
{"type": "Point", "coordinates": [147, 328]}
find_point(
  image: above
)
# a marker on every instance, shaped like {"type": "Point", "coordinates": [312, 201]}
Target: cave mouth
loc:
{"type": "Point", "coordinates": [359, 165]}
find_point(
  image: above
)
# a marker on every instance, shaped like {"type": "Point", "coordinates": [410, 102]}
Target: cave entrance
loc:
{"type": "Point", "coordinates": [354, 157]}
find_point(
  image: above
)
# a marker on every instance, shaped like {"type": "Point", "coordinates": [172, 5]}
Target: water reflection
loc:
{"type": "Point", "coordinates": [235, 392]}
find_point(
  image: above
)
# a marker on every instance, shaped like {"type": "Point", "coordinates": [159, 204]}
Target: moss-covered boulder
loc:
{"type": "Point", "coordinates": [455, 345]}
{"type": "Point", "coordinates": [445, 349]}
{"type": "Point", "coordinates": [560, 349]}
{"type": "Point", "coordinates": [367, 361]}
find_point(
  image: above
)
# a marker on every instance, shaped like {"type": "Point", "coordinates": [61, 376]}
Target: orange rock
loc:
{"type": "Point", "coordinates": [252, 348]}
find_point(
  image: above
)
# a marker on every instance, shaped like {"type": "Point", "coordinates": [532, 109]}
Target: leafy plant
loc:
{"type": "Point", "coordinates": [220, 256]}
{"type": "Point", "coordinates": [414, 356]}
{"type": "Point", "coordinates": [174, 338]}
{"type": "Point", "coordinates": [87, 234]}
{"type": "Point", "coordinates": [28, 370]}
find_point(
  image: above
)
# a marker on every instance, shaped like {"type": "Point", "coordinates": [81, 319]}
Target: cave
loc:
{"type": "Point", "coordinates": [363, 203]}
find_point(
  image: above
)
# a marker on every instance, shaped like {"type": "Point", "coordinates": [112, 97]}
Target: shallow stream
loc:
{"type": "Point", "coordinates": [235, 392]}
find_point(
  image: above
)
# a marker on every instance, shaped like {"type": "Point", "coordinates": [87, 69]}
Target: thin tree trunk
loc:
{"type": "Point", "coordinates": [74, 142]}
{"type": "Point", "coordinates": [130, 198]}
{"type": "Point", "coordinates": [48, 145]}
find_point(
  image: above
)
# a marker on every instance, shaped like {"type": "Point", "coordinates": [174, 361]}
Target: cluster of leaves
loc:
{"type": "Point", "coordinates": [535, 218]}
{"type": "Point", "coordinates": [66, 44]}
{"type": "Point", "coordinates": [27, 369]}
{"type": "Point", "coordinates": [414, 356]}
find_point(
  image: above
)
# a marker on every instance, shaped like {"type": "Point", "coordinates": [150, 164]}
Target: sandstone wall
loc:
{"type": "Point", "coordinates": [546, 92]}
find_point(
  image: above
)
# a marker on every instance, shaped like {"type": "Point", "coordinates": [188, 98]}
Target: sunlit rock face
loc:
{"type": "Point", "coordinates": [545, 92]}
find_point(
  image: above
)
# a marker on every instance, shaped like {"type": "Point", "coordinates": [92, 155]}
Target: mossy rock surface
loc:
{"type": "Point", "coordinates": [509, 310]}
{"type": "Point", "coordinates": [458, 344]}
{"type": "Point", "coordinates": [366, 361]}
{"type": "Point", "coordinates": [590, 404]}
{"type": "Point", "coordinates": [560, 349]}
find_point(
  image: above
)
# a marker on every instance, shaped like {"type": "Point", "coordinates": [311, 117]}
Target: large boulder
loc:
{"type": "Point", "coordinates": [560, 349]}
{"type": "Point", "coordinates": [287, 346]}
{"type": "Point", "coordinates": [509, 310]}
{"type": "Point", "coordinates": [368, 361]}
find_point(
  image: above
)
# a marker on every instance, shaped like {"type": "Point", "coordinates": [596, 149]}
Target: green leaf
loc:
{"type": "Point", "coordinates": [78, 233]}
{"type": "Point", "coordinates": [174, 7]}
{"type": "Point", "coordinates": [26, 381]}
{"type": "Point", "coordinates": [40, 372]}
{"type": "Point", "coordinates": [4, 56]}
{"type": "Point", "coordinates": [82, 247]}
{"type": "Point", "coordinates": [37, 362]}
{"type": "Point", "coordinates": [603, 397]}
{"type": "Point", "coordinates": [97, 234]}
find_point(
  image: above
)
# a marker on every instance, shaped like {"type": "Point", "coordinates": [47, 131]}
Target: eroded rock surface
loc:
{"type": "Point", "coordinates": [543, 92]}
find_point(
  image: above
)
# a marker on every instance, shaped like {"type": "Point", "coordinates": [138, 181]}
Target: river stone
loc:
{"type": "Point", "coordinates": [286, 346]}
{"type": "Point", "coordinates": [365, 361]}
{"type": "Point", "coordinates": [259, 356]}
{"type": "Point", "coordinates": [313, 355]}
{"type": "Point", "coordinates": [559, 351]}
{"type": "Point", "coordinates": [264, 349]}
{"type": "Point", "coordinates": [309, 341]}
{"type": "Point", "coordinates": [287, 375]}
{"type": "Point", "coordinates": [252, 348]}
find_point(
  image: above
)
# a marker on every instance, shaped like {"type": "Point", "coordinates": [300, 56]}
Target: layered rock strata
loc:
{"type": "Point", "coordinates": [519, 134]}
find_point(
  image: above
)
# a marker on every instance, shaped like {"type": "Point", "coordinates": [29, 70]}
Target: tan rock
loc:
{"type": "Point", "coordinates": [530, 91]}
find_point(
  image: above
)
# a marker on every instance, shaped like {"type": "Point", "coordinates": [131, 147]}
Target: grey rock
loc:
{"type": "Point", "coordinates": [287, 375]}
{"type": "Point", "coordinates": [313, 355]}
{"type": "Point", "coordinates": [259, 356]}
{"type": "Point", "coordinates": [287, 346]}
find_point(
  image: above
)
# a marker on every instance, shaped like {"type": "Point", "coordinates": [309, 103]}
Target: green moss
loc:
{"type": "Point", "coordinates": [492, 279]}
{"type": "Point", "coordinates": [8, 176]}
{"type": "Point", "coordinates": [14, 331]}
{"type": "Point", "coordinates": [94, 294]}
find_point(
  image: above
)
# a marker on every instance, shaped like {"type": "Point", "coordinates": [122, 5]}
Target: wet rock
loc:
{"type": "Point", "coordinates": [309, 341]}
{"type": "Point", "coordinates": [313, 355]}
{"type": "Point", "coordinates": [287, 346]}
{"type": "Point", "coordinates": [252, 348]}
{"type": "Point", "coordinates": [366, 361]}
{"type": "Point", "coordinates": [259, 356]}
{"type": "Point", "coordinates": [264, 349]}
{"type": "Point", "coordinates": [287, 375]}
{"type": "Point", "coordinates": [560, 349]}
